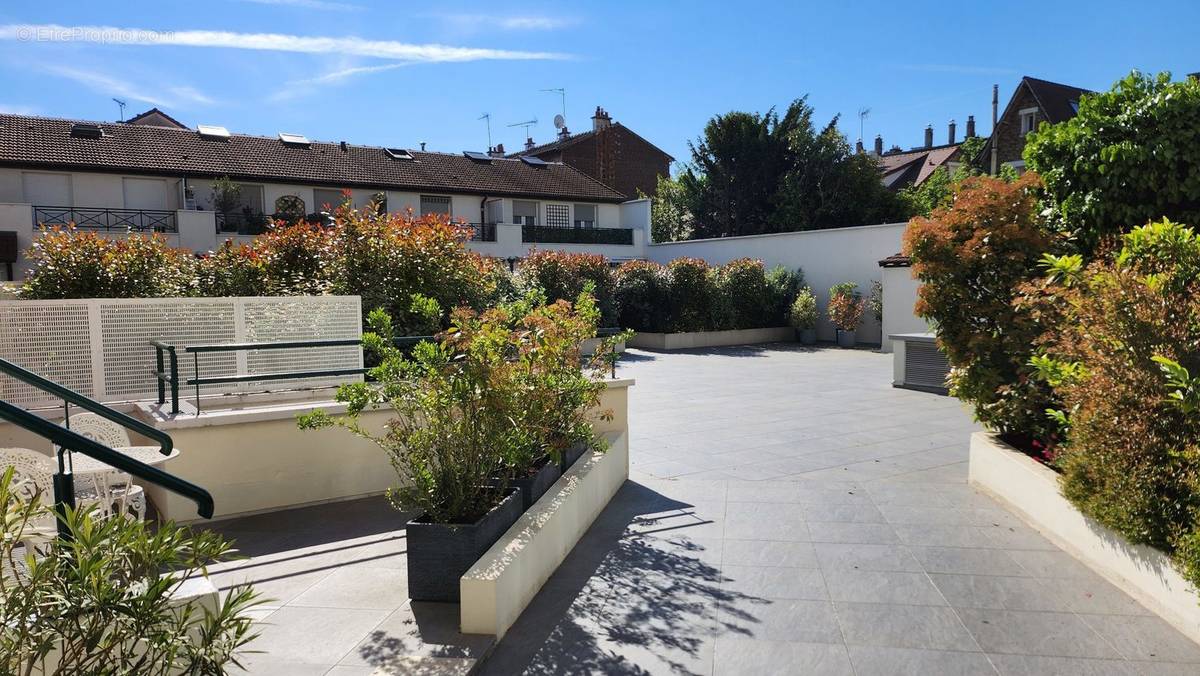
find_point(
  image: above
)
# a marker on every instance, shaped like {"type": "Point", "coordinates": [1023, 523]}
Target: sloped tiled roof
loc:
{"type": "Point", "coordinates": [896, 260]}
{"type": "Point", "coordinates": [144, 118]}
{"type": "Point", "coordinates": [556, 144]}
{"type": "Point", "coordinates": [29, 141]}
{"type": "Point", "coordinates": [1057, 101]}
{"type": "Point", "coordinates": [914, 166]}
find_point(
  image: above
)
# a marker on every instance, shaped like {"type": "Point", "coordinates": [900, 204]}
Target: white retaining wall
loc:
{"type": "Point", "coordinates": [101, 348]}
{"type": "Point", "coordinates": [827, 257]}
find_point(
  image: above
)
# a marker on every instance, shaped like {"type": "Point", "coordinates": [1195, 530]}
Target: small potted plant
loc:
{"type": "Point", "coordinates": [803, 316]}
{"type": "Point", "coordinates": [845, 310]}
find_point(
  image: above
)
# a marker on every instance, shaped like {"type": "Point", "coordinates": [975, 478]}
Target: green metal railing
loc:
{"type": "Point", "coordinates": [166, 362]}
{"type": "Point", "coordinates": [68, 441]}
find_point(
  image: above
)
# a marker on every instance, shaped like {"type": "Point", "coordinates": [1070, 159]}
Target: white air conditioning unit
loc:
{"type": "Point", "coordinates": [918, 363]}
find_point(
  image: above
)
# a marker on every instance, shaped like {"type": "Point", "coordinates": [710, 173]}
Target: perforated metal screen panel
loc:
{"type": "Point", "coordinates": [925, 365]}
{"type": "Point", "coordinates": [101, 347]}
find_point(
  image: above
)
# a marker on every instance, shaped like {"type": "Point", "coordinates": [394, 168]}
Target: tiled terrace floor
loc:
{"type": "Point", "coordinates": [789, 513]}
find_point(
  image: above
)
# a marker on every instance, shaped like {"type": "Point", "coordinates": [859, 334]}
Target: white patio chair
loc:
{"type": "Point", "coordinates": [125, 495]}
{"type": "Point", "coordinates": [33, 479]}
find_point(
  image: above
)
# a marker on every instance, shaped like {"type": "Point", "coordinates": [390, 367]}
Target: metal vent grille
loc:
{"type": "Point", "coordinates": [925, 365]}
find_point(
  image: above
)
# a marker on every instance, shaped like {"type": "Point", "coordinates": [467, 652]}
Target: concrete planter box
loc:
{"type": "Point", "coordinates": [569, 457]}
{"type": "Point", "coordinates": [847, 338]}
{"type": "Point", "coordinates": [501, 584]}
{"type": "Point", "coordinates": [1030, 489]}
{"type": "Point", "coordinates": [807, 336]}
{"type": "Point", "coordinates": [699, 339]}
{"type": "Point", "coordinates": [438, 554]}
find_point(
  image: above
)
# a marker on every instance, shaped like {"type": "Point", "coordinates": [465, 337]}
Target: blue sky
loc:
{"type": "Point", "coordinates": [398, 73]}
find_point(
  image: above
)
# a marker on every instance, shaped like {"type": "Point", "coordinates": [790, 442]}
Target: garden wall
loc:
{"type": "Point", "coordinates": [827, 257]}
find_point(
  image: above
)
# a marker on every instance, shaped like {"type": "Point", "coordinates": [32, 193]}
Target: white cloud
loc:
{"type": "Point", "coordinates": [18, 109]}
{"type": "Point", "coordinates": [346, 46]}
{"type": "Point", "coordinates": [309, 4]}
{"type": "Point", "coordinates": [481, 22]}
{"type": "Point", "coordinates": [123, 89]}
{"type": "Point", "coordinates": [298, 88]}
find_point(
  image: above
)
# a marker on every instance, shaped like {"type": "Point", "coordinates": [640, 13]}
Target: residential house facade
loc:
{"type": "Point", "coordinates": [610, 153]}
{"type": "Point", "coordinates": [904, 168]}
{"type": "Point", "coordinates": [1034, 101]}
{"type": "Point", "coordinates": [149, 176]}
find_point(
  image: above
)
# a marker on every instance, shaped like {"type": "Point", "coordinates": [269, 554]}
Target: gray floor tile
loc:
{"type": "Point", "coordinates": [1035, 633]}
{"type": "Point", "coordinates": [314, 635]}
{"type": "Point", "coordinates": [417, 630]}
{"type": "Point", "coordinates": [780, 620]}
{"type": "Point", "coordinates": [1145, 638]}
{"type": "Point", "coordinates": [370, 588]}
{"type": "Point", "coordinates": [1035, 665]}
{"type": "Point", "coordinates": [769, 553]}
{"type": "Point", "coordinates": [922, 627]}
{"type": "Point", "coordinates": [852, 533]}
{"type": "Point", "coordinates": [870, 586]}
{"type": "Point", "coordinates": [741, 656]}
{"type": "Point", "coordinates": [877, 661]}
{"type": "Point", "coordinates": [1000, 593]}
{"type": "Point", "coordinates": [770, 582]}
{"type": "Point", "coordinates": [833, 556]}
{"type": "Point", "coordinates": [961, 561]}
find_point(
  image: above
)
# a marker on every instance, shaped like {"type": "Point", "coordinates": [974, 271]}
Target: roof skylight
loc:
{"type": "Point", "coordinates": [398, 153]}
{"type": "Point", "coordinates": [477, 156]}
{"type": "Point", "coordinates": [86, 130]}
{"type": "Point", "coordinates": [533, 161]}
{"type": "Point", "coordinates": [212, 131]}
{"type": "Point", "coordinates": [294, 139]}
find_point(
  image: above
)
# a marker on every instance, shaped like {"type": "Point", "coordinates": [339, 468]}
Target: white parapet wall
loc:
{"type": "Point", "coordinates": [899, 298]}
{"type": "Point", "coordinates": [827, 257]}
{"type": "Point", "coordinates": [501, 584]}
{"type": "Point", "coordinates": [1031, 490]}
{"type": "Point", "coordinates": [701, 339]}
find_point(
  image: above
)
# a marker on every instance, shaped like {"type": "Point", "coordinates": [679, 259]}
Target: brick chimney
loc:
{"type": "Point", "coordinates": [528, 142]}
{"type": "Point", "coordinates": [498, 151]}
{"type": "Point", "coordinates": [879, 144]}
{"type": "Point", "coordinates": [929, 136]}
{"type": "Point", "coordinates": [564, 132]}
{"type": "Point", "coordinates": [858, 147]}
{"type": "Point", "coordinates": [970, 126]}
{"type": "Point", "coordinates": [953, 136]}
{"type": "Point", "coordinates": [601, 120]}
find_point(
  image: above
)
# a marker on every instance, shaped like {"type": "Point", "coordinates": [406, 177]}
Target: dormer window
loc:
{"type": "Point", "coordinates": [1028, 120]}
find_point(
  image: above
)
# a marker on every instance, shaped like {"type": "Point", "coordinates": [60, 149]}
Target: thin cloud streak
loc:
{"type": "Point", "coordinates": [347, 46]}
{"type": "Point", "coordinates": [956, 68]}
{"type": "Point", "coordinates": [111, 86]}
{"type": "Point", "coordinates": [512, 23]}
{"type": "Point", "coordinates": [299, 88]}
{"type": "Point", "coordinates": [309, 4]}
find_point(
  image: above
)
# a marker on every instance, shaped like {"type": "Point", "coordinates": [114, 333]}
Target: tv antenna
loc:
{"type": "Point", "coordinates": [562, 92]}
{"type": "Point", "coordinates": [862, 118]}
{"type": "Point", "coordinates": [121, 105]}
{"type": "Point", "coordinates": [488, 117]}
{"type": "Point", "coordinates": [526, 124]}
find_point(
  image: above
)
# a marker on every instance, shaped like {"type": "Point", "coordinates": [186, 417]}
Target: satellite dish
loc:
{"type": "Point", "coordinates": [559, 121]}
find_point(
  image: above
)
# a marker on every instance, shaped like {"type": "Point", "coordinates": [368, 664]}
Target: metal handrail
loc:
{"type": "Point", "coordinates": [107, 218]}
{"type": "Point", "coordinates": [70, 396]}
{"type": "Point", "coordinates": [67, 440]}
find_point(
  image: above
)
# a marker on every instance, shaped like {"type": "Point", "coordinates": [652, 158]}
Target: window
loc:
{"type": "Point", "coordinates": [327, 200]}
{"type": "Point", "coordinates": [1028, 120]}
{"type": "Point", "coordinates": [585, 215]}
{"type": "Point", "coordinates": [435, 204]}
{"type": "Point", "coordinates": [558, 216]}
{"type": "Point", "coordinates": [525, 213]}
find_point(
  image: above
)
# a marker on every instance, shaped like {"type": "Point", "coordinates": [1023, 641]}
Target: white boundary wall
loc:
{"type": "Point", "coordinates": [100, 347]}
{"type": "Point", "coordinates": [827, 257]}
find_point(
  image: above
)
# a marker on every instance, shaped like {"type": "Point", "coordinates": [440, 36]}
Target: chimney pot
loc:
{"type": "Point", "coordinates": [343, 145]}
{"type": "Point", "coordinates": [953, 132]}
{"type": "Point", "coordinates": [528, 142]}
{"type": "Point", "coordinates": [564, 132]}
{"type": "Point", "coordinates": [422, 146]}
{"type": "Point", "coordinates": [970, 126]}
{"type": "Point", "coordinates": [497, 151]}
{"type": "Point", "coordinates": [929, 136]}
{"type": "Point", "coordinates": [879, 144]}
{"type": "Point", "coordinates": [601, 119]}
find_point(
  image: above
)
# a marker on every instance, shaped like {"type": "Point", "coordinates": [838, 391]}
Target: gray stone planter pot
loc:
{"type": "Point", "coordinates": [571, 455]}
{"type": "Point", "coordinates": [807, 336]}
{"type": "Point", "coordinates": [535, 486]}
{"type": "Point", "coordinates": [846, 338]}
{"type": "Point", "coordinates": [439, 554]}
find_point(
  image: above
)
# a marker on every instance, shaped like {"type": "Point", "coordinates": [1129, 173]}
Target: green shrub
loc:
{"type": "Point", "coordinates": [641, 296]}
{"type": "Point", "coordinates": [784, 286]}
{"type": "Point", "coordinates": [1129, 156]}
{"type": "Point", "coordinates": [846, 306]}
{"type": "Point", "coordinates": [803, 313]}
{"type": "Point", "coordinates": [231, 270]}
{"type": "Point", "coordinates": [499, 391]}
{"type": "Point", "coordinates": [101, 601]}
{"type": "Point", "coordinates": [69, 263]}
{"type": "Point", "coordinates": [1123, 355]}
{"type": "Point", "coordinates": [745, 293]}
{"type": "Point", "coordinates": [692, 295]}
{"type": "Point", "coordinates": [971, 258]}
{"type": "Point", "coordinates": [564, 275]}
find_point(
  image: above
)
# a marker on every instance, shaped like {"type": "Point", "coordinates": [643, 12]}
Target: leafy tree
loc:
{"type": "Point", "coordinates": [1130, 156]}
{"type": "Point", "coordinates": [670, 213]}
{"type": "Point", "coordinates": [754, 173]}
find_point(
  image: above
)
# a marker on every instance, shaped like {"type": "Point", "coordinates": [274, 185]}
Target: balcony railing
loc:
{"type": "Point", "coordinates": [558, 235]}
{"type": "Point", "coordinates": [482, 232]}
{"type": "Point", "coordinates": [241, 223]}
{"type": "Point", "coordinates": [90, 218]}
